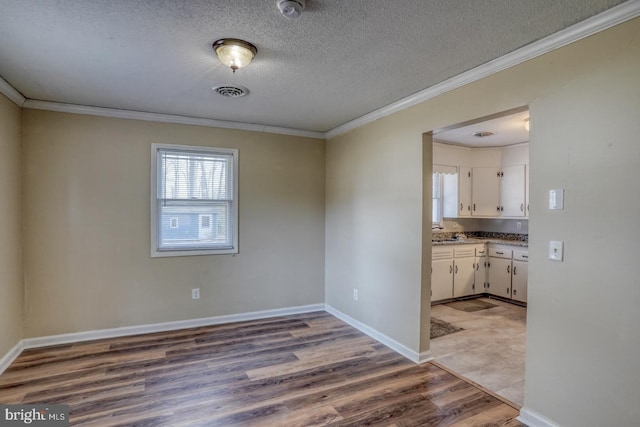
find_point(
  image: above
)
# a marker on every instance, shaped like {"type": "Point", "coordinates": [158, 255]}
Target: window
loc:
{"type": "Point", "coordinates": [445, 194]}
{"type": "Point", "coordinates": [194, 200]}
{"type": "Point", "coordinates": [436, 202]}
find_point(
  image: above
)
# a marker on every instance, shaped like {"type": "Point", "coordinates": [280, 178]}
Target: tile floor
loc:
{"type": "Point", "coordinates": [490, 350]}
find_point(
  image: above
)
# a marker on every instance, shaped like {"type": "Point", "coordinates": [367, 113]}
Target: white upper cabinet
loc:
{"type": "Point", "coordinates": [512, 191]}
{"type": "Point", "coordinates": [464, 191]}
{"type": "Point", "coordinates": [485, 192]}
{"type": "Point", "coordinates": [494, 185]}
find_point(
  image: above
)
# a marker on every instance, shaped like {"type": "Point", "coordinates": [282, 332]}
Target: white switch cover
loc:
{"type": "Point", "coordinates": [555, 250]}
{"type": "Point", "coordinates": [556, 199]}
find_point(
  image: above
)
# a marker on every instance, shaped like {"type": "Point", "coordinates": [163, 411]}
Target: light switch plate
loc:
{"type": "Point", "coordinates": [556, 199]}
{"type": "Point", "coordinates": [556, 250]}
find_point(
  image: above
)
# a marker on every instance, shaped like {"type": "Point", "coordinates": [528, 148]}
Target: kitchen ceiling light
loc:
{"type": "Point", "coordinates": [234, 53]}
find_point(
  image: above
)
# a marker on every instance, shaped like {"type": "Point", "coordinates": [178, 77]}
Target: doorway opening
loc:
{"type": "Point", "coordinates": [479, 269]}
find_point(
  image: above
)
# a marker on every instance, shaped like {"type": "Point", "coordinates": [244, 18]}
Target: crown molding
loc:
{"type": "Point", "coordinates": [588, 27]}
{"type": "Point", "coordinates": [164, 118]}
{"type": "Point", "coordinates": [607, 19]}
{"type": "Point", "coordinates": [10, 92]}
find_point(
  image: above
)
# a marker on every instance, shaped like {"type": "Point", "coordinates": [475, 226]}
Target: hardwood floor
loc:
{"type": "Point", "coordinates": [302, 370]}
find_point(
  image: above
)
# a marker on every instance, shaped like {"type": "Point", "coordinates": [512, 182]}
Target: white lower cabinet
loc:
{"type": "Point", "coordinates": [441, 279]}
{"type": "Point", "coordinates": [480, 275]}
{"type": "Point", "coordinates": [499, 277]}
{"type": "Point", "coordinates": [464, 269]}
{"type": "Point", "coordinates": [507, 273]}
{"type": "Point", "coordinates": [519, 275]}
{"type": "Point", "coordinates": [454, 271]}
{"type": "Point", "coordinates": [441, 273]}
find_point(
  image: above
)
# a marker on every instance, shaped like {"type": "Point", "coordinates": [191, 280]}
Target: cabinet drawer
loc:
{"type": "Point", "coordinates": [521, 255]}
{"type": "Point", "coordinates": [500, 253]}
{"type": "Point", "coordinates": [464, 251]}
{"type": "Point", "coordinates": [442, 253]}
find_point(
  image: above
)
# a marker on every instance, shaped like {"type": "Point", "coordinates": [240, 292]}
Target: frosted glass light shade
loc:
{"type": "Point", "coordinates": [234, 53]}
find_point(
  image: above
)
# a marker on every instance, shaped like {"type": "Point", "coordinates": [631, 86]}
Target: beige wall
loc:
{"type": "Point", "coordinates": [583, 346]}
{"type": "Point", "coordinates": [86, 216]}
{"type": "Point", "coordinates": [10, 229]}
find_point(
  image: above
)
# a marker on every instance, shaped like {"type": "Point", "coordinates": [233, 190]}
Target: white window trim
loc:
{"type": "Point", "coordinates": [155, 252]}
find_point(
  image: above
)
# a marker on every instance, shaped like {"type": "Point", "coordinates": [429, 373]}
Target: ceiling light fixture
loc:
{"type": "Point", "coordinates": [234, 53]}
{"type": "Point", "coordinates": [291, 8]}
{"type": "Point", "coordinates": [526, 124]}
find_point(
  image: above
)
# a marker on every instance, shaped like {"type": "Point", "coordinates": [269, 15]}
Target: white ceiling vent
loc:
{"type": "Point", "coordinates": [230, 91]}
{"type": "Point", "coordinates": [483, 134]}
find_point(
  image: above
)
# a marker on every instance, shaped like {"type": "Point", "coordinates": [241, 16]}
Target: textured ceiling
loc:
{"type": "Point", "coordinates": [507, 129]}
{"type": "Point", "coordinates": [340, 60]}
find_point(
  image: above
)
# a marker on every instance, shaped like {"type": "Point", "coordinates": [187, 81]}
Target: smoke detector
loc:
{"type": "Point", "coordinates": [291, 8]}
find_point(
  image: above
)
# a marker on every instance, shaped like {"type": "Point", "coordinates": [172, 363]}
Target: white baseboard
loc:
{"type": "Point", "coordinates": [380, 337]}
{"type": "Point", "coordinates": [533, 419]}
{"type": "Point", "coordinates": [166, 326]}
{"type": "Point", "coordinates": [74, 337]}
{"type": "Point", "coordinates": [11, 355]}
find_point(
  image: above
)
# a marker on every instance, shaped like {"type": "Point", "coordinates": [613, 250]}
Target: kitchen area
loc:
{"type": "Point", "coordinates": [479, 265]}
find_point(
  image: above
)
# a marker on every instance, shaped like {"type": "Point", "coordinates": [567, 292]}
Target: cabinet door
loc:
{"type": "Point", "coordinates": [526, 189]}
{"type": "Point", "coordinates": [464, 191]}
{"type": "Point", "coordinates": [441, 279]}
{"type": "Point", "coordinates": [499, 277]}
{"type": "Point", "coordinates": [463, 276]}
{"type": "Point", "coordinates": [519, 280]}
{"type": "Point", "coordinates": [512, 191]}
{"type": "Point", "coordinates": [485, 192]}
{"type": "Point", "coordinates": [480, 276]}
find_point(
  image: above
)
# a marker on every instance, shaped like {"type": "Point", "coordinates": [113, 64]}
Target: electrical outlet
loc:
{"type": "Point", "coordinates": [195, 293]}
{"type": "Point", "coordinates": [355, 294]}
{"type": "Point", "coordinates": [518, 225]}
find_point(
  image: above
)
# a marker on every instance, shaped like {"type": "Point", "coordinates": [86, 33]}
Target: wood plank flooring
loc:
{"type": "Point", "coordinates": [302, 370]}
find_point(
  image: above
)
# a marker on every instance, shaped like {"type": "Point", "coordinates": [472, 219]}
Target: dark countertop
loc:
{"type": "Point", "coordinates": [480, 240]}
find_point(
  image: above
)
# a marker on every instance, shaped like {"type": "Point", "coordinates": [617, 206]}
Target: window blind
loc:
{"type": "Point", "coordinates": [195, 207]}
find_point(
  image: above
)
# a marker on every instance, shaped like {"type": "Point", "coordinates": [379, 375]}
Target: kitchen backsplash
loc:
{"type": "Point", "coordinates": [498, 225]}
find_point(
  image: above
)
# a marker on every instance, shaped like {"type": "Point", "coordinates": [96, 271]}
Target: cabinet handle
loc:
{"type": "Point", "coordinates": [521, 207]}
{"type": "Point", "coordinates": [514, 270]}
{"type": "Point", "coordinates": [498, 208]}
{"type": "Point", "coordinates": [450, 269]}
{"type": "Point", "coordinates": [508, 291]}
{"type": "Point", "coordinates": [515, 292]}
{"type": "Point", "coordinates": [500, 253]}
{"type": "Point", "coordinates": [469, 208]}
{"type": "Point", "coordinates": [456, 269]}
{"type": "Point", "coordinates": [461, 207]}
{"type": "Point", "coordinates": [525, 256]}
{"type": "Point", "coordinates": [477, 266]}
{"type": "Point", "coordinates": [474, 207]}
{"type": "Point", "coordinates": [508, 269]}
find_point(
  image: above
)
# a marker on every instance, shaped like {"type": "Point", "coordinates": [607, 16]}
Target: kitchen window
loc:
{"type": "Point", "coordinates": [444, 194]}
{"type": "Point", "coordinates": [194, 200]}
